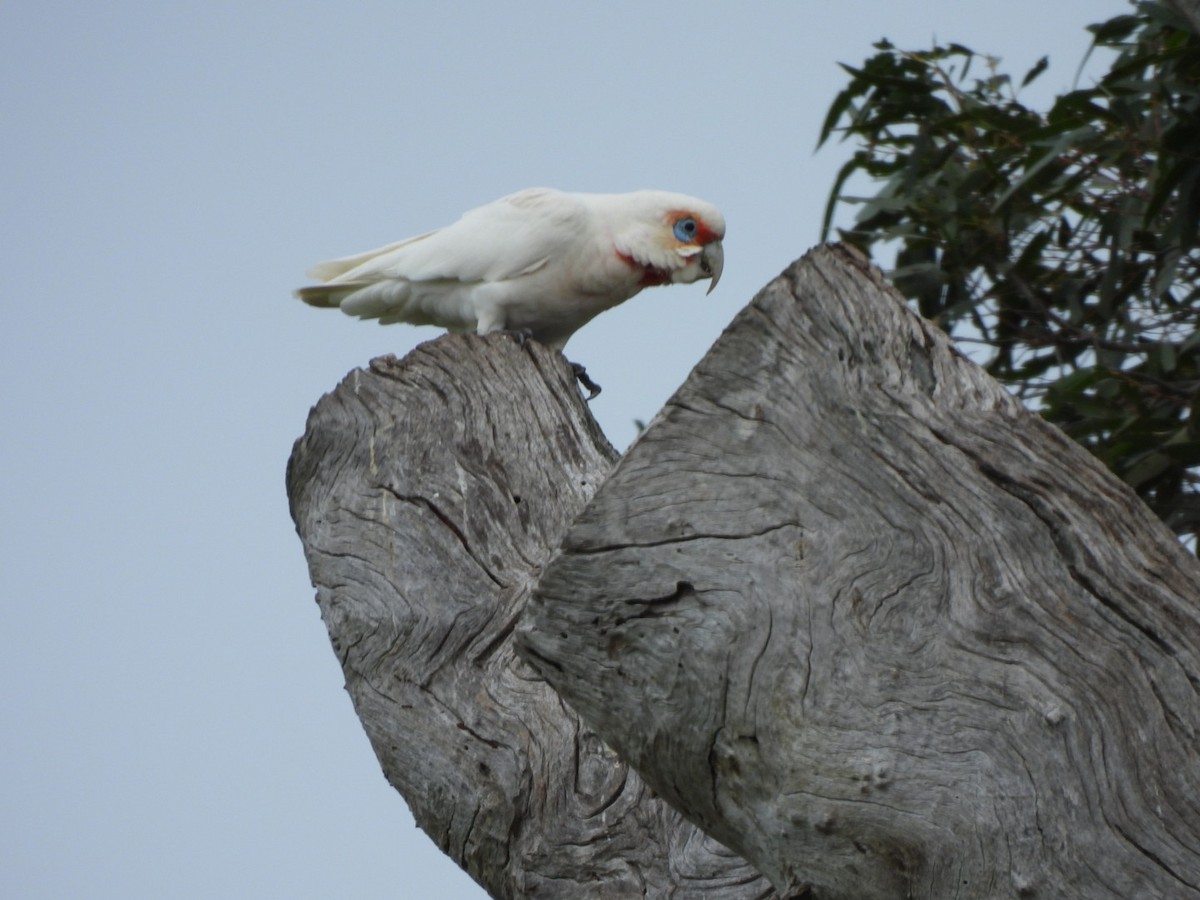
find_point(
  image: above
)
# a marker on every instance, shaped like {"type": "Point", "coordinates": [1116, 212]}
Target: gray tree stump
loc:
{"type": "Point", "coordinates": [853, 610]}
{"type": "Point", "coordinates": [428, 493]}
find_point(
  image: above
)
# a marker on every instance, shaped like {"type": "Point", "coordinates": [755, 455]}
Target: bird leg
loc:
{"type": "Point", "coordinates": [524, 335]}
{"type": "Point", "coordinates": [581, 376]}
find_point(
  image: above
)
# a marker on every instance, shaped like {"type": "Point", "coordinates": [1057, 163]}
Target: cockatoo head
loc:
{"type": "Point", "coordinates": [674, 237]}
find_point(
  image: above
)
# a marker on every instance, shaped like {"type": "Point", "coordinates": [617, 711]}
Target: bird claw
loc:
{"type": "Point", "coordinates": [524, 335]}
{"type": "Point", "coordinates": [581, 376]}
{"type": "Point", "coordinates": [521, 335]}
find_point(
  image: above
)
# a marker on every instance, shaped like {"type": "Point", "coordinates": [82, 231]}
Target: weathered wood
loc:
{"type": "Point", "coordinates": [877, 628]}
{"type": "Point", "coordinates": [428, 493]}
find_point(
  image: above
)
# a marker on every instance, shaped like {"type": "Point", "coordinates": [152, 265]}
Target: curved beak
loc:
{"type": "Point", "coordinates": [712, 261]}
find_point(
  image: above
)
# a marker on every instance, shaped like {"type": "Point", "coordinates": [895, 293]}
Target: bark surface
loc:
{"type": "Point", "coordinates": [879, 629]}
{"type": "Point", "coordinates": [428, 493]}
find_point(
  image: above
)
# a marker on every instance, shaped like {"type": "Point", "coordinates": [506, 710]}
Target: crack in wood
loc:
{"type": "Point", "coordinates": [681, 539]}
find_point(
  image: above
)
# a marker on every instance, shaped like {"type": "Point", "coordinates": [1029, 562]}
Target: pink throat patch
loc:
{"type": "Point", "coordinates": [650, 275]}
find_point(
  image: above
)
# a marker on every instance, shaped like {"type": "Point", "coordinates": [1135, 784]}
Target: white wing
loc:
{"type": "Point", "coordinates": [427, 279]}
{"type": "Point", "coordinates": [511, 237]}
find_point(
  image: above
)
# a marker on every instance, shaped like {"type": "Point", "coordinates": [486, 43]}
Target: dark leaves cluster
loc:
{"type": "Point", "coordinates": [1064, 242]}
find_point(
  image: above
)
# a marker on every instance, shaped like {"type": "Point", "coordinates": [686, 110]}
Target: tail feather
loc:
{"type": "Point", "coordinates": [327, 295]}
{"type": "Point", "coordinates": [365, 299]}
{"type": "Point", "coordinates": [336, 268]}
{"type": "Point", "coordinates": [379, 299]}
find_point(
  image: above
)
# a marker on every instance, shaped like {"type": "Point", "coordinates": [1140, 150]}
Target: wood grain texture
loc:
{"type": "Point", "coordinates": [428, 493]}
{"type": "Point", "coordinates": [876, 627]}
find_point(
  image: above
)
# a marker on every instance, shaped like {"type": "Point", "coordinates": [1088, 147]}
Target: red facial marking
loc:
{"type": "Point", "coordinates": [650, 275]}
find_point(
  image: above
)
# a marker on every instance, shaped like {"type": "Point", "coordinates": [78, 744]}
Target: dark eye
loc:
{"type": "Point", "coordinates": [685, 230]}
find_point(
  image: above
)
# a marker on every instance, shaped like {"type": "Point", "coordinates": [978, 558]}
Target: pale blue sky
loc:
{"type": "Point", "coordinates": [174, 721]}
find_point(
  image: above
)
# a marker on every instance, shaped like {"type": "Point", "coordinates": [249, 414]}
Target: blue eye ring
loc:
{"type": "Point", "coordinates": [685, 230]}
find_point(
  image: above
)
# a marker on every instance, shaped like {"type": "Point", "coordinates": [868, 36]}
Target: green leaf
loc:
{"type": "Point", "coordinates": [848, 169]}
{"type": "Point", "coordinates": [1151, 466]}
{"type": "Point", "coordinates": [840, 104]}
{"type": "Point", "coordinates": [1115, 29]}
{"type": "Point", "coordinates": [1040, 67]}
{"type": "Point", "coordinates": [1164, 357]}
{"type": "Point", "coordinates": [1078, 380]}
{"type": "Point", "coordinates": [1183, 452]}
{"type": "Point", "coordinates": [1064, 232]}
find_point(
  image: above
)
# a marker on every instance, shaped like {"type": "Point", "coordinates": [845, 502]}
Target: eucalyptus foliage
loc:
{"type": "Point", "coordinates": [1063, 242]}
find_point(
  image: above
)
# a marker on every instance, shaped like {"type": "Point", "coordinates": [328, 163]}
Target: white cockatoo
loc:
{"type": "Point", "coordinates": [540, 263]}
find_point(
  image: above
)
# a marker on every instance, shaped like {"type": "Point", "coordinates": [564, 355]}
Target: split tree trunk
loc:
{"type": "Point", "coordinates": [845, 604]}
{"type": "Point", "coordinates": [854, 610]}
{"type": "Point", "coordinates": [429, 492]}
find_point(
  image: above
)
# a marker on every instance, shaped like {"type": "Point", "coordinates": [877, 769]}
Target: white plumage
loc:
{"type": "Point", "coordinates": [540, 261]}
